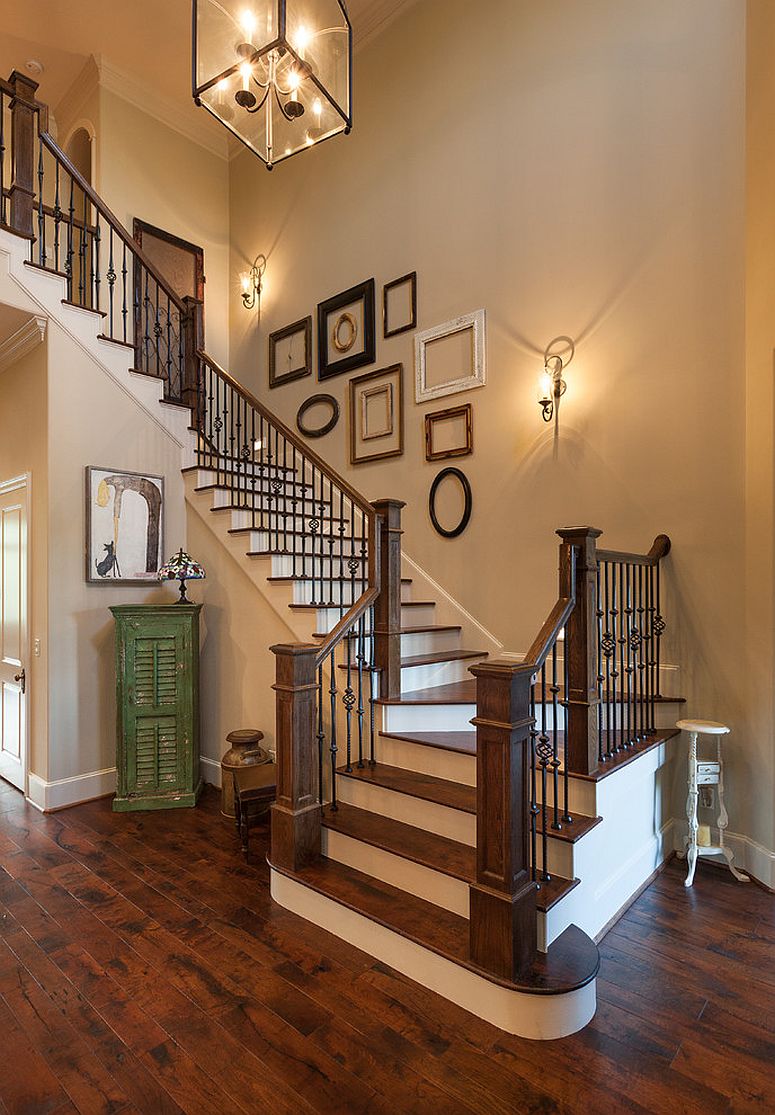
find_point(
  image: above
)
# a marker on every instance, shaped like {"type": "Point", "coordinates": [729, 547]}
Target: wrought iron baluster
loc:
{"type": "Point", "coordinates": [321, 538]}
{"type": "Point", "coordinates": [534, 807]}
{"type": "Point", "coordinates": [629, 650]}
{"type": "Point", "coordinates": [615, 706]}
{"type": "Point", "coordinates": [641, 660]}
{"type": "Point", "coordinates": [600, 677]}
{"type": "Point", "coordinates": [544, 756]}
{"type": "Point", "coordinates": [57, 214]}
{"type": "Point", "coordinates": [124, 310]}
{"type": "Point", "coordinates": [82, 256]}
{"type": "Point", "coordinates": [174, 391]}
{"type": "Point", "coordinates": [111, 277]}
{"type": "Point", "coordinates": [314, 524]}
{"type": "Point", "coordinates": [566, 814]}
{"type": "Point", "coordinates": [2, 160]}
{"type": "Point", "coordinates": [608, 687]}
{"type": "Point", "coordinates": [622, 663]}
{"type": "Point", "coordinates": [361, 660]}
{"type": "Point", "coordinates": [41, 211]}
{"type": "Point", "coordinates": [69, 261]}
{"type": "Point", "coordinates": [373, 678]}
{"type": "Point", "coordinates": [321, 735]}
{"type": "Point", "coordinates": [238, 463]}
{"type": "Point", "coordinates": [652, 653]}
{"type": "Point", "coordinates": [333, 748]}
{"type": "Point", "coordinates": [157, 338]}
{"type": "Point", "coordinates": [348, 699]}
{"type": "Point", "coordinates": [146, 303]}
{"type": "Point", "coordinates": [253, 495]}
{"type": "Point", "coordinates": [659, 630]}
{"type": "Point", "coordinates": [554, 689]}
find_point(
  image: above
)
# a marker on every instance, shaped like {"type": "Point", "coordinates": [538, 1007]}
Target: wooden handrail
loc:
{"type": "Point", "coordinates": [364, 602]}
{"type": "Point", "coordinates": [50, 144]}
{"type": "Point", "coordinates": [660, 548]}
{"type": "Point", "coordinates": [560, 613]}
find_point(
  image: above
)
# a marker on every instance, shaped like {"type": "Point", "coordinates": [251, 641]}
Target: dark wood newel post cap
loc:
{"type": "Point", "coordinates": [22, 84]}
{"type": "Point", "coordinates": [570, 534]}
{"type": "Point", "coordinates": [390, 509]}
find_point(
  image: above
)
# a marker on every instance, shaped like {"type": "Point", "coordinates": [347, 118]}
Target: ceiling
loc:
{"type": "Point", "coordinates": [146, 40]}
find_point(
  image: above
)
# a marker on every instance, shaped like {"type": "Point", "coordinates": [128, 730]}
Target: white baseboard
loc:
{"type": "Point", "coordinates": [750, 856]}
{"type": "Point", "coordinates": [58, 794]}
{"type": "Point", "coordinates": [211, 771]}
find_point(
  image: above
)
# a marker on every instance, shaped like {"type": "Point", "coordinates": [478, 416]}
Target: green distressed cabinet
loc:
{"type": "Point", "coordinates": [157, 697]}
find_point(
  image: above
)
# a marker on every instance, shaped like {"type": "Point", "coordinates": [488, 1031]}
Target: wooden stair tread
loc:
{"type": "Point", "coordinates": [571, 962]}
{"type": "Point", "coordinates": [456, 693]}
{"type": "Point", "coordinates": [454, 795]}
{"type": "Point", "coordinates": [464, 742]}
{"type": "Point", "coordinates": [439, 853]}
{"type": "Point", "coordinates": [433, 659]}
{"type": "Point", "coordinates": [418, 603]}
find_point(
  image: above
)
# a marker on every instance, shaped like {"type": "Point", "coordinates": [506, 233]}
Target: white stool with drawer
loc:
{"type": "Point", "coordinates": [706, 772]}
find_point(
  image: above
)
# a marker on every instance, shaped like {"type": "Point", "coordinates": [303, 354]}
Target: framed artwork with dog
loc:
{"type": "Point", "coordinates": [124, 526]}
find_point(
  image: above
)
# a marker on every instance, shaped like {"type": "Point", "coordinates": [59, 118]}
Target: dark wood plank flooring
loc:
{"type": "Point", "coordinates": [144, 968]}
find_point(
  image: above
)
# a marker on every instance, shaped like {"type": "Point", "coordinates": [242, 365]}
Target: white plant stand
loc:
{"type": "Point", "coordinates": [706, 772]}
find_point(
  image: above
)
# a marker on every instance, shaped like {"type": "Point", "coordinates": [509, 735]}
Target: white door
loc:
{"type": "Point", "coordinates": [13, 631]}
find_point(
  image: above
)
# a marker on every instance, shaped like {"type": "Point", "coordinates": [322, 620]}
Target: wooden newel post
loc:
{"type": "Point", "coordinates": [503, 906]}
{"type": "Point", "coordinates": [387, 610]}
{"type": "Point", "coordinates": [581, 634]}
{"type": "Point", "coordinates": [296, 814]}
{"type": "Point", "coordinates": [22, 188]}
{"type": "Point", "coordinates": [193, 341]}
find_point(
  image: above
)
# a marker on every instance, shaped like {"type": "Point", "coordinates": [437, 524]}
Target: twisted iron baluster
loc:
{"type": "Point", "coordinates": [600, 677]}
{"type": "Point", "coordinates": [534, 807]}
{"type": "Point", "coordinates": [348, 700]}
{"type": "Point", "coordinates": [554, 689]}
{"type": "Point", "coordinates": [111, 277]}
{"type": "Point", "coordinates": [372, 679]}
{"type": "Point", "coordinates": [544, 751]}
{"type": "Point", "coordinates": [333, 748]}
{"type": "Point", "coordinates": [69, 260]}
{"type": "Point", "coordinates": [321, 735]}
{"type": "Point", "coordinates": [360, 658]}
{"type": "Point", "coordinates": [124, 308]}
{"type": "Point", "coordinates": [2, 159]}
{"type": "Point", "coordinates": [82, 256]}
{"type": "Point", "coordinates": [41, 213]}
{"type": "Point", "coordinates": [57, 214]}
{"type": "Point", "coordinates": [566, 815]}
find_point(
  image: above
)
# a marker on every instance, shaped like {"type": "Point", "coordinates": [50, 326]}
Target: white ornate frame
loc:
{"type": "Point", "coordinates": [475, 321]}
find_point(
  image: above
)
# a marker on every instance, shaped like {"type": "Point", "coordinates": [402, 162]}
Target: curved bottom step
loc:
{"type": "Point", "coordinates": [430, 945]}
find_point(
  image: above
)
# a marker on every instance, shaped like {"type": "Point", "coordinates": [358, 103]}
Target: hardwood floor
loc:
{"type": "Point", "coordinates": [143, 968]}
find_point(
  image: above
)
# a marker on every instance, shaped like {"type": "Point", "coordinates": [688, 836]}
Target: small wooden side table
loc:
{"type": "Point", "coordinates": [255, 788]}
{"type": "Point", "coordinates": [706, 772]}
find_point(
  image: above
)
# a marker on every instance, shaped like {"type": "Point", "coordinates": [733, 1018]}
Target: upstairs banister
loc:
{"type": "Point", "coordinates": [660, 548]}
{"type": "Point", "coordinates": [94, 199]}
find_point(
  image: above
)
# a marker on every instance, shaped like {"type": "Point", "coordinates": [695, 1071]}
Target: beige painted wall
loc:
{"type": "Point", "coordinates": [92, 421]}
{"type": "Point", "coordinates": [576, 169]}
{"type": "Point", "coordinates": [148, 170]}
{"type": "Point", "coordinates": [23, 449]}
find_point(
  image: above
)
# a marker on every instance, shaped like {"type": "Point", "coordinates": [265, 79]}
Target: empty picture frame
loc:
{"type": "Point", "coordinates": [377, 415]}
{"type": "Point", "coordinates": [450, 358]}
{"type": "Point", "coordinates": [399, 305]}
{"type": "Point", "coordinates": [449, 433]}
{"type": "Point", "coordinates": [346, 331]}
{"type": "Point", "coordinates": [290, 352]}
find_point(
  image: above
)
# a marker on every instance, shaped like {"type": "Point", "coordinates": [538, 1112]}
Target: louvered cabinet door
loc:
{"type": "Point", "coordinates": [157, 666]}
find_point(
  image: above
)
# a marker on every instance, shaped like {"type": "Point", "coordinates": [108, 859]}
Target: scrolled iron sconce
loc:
{"type": "Point", "coordinates": [557, 356]}
{"type": "Point", "coordinates": [252, 284]}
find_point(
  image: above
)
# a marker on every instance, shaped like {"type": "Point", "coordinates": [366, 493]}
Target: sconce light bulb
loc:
{"type": "Point", "coordinates": [546, 387]}
{"type": "Point", "coordinates": [245, 281]}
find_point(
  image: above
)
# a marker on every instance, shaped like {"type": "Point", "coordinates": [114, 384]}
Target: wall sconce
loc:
{"type": "Point", "coordinates": [252, 283]}
{"type": "Point", "coordinates": [552, 386]}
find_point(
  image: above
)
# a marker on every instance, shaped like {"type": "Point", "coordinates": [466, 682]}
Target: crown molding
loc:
{"type": "Point", "coordinates": [24, 340]}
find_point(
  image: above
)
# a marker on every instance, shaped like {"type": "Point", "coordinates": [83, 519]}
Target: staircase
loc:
{"type": "Point", "coordinates": [475, 823]}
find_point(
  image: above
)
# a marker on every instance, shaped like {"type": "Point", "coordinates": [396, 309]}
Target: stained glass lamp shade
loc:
{"type": "Point", "coordinates": [276, 73]}
{"type": "Point", "coordinates": [182, 567]}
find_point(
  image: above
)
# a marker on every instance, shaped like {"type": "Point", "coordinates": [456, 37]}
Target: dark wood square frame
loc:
{"type": "Point", "coordinates": [144, 228]}
{"type": "Point", "coordinates": [357, 382]}
{"type": "Point", "coordinates": [410, 278]}
{"type": "Point", "coordinates": [365, 293]}
{"type": "Point", "coordinates": [464, 411]}
{"type": "Point", "coordinates": [303, 324]}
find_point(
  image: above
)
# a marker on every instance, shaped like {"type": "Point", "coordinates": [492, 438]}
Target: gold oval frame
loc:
{"type": "Point", "coordinates": [344, 319]}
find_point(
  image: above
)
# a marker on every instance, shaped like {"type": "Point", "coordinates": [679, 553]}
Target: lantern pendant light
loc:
{"type": "Point", "coordinates": [276, 73]}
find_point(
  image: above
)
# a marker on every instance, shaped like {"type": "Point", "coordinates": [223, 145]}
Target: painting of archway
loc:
{"type": "Point", "coordinates": [124, 526]}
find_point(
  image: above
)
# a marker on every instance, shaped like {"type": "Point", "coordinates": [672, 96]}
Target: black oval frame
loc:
{"type": "Point", "coordinates": [469, 502]}
{"type": "Point", "coordinates": [328, 426]}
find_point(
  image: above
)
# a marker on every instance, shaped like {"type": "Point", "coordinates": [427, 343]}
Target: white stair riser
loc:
{"type": "Point", "coordinates": [429, 642]}
{"type": "Point", "coordinates": [427, 815]}
{"type": "Point", "coordinates": [436, 673]}
{"type": "Point", "coordinates": [312, 565]}
{"type": "Point", "coordinates": [222, 470]}
{"type": "Point", "coordinates": [428, 718]}
{"type": "Point", "coordinates": [266, 540]}
{"type": "Point", "coordinates": [452, 765]}
{"type": "Point", "coordinates": [423, 882]}
{"type": "Point", "coordinates": [306, 592]}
